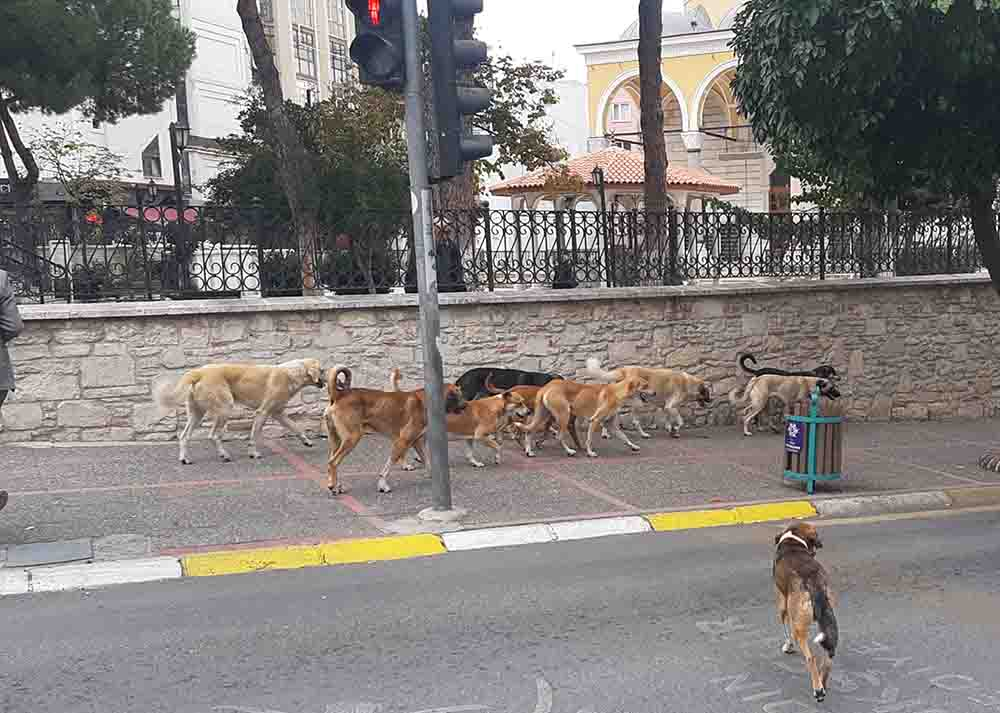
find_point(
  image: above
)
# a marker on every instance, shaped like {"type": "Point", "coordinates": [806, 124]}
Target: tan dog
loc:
{"type": "Point", "coordinates": [530, 394]}
{"type": "Point", "coordinates": [788, 389]}
{"type": "Point", "coordinates": [400, 416]}
{"type": "Point", "coordinates": [566, 400]}
{"type": "Point", "coordinates": [482, 420]}
{"type": "Point", "coordinates": [803, 594]}
{"type": "Point", "coordinates": [213, 390]}
{"type": "Point", "coordinates": [673, 389]}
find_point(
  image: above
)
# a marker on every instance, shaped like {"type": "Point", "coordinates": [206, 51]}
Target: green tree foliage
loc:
{"type": "Point", "coordinates": [879, 99]}
{"type": "Point", "coordinates": [108, 58]}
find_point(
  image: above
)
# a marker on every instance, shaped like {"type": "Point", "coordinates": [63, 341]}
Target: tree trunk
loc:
{"type": "Point", "coordinates": [651, 107]}
{"type": "Point", "coordinates": [984, 227]}
{"type": "Point", "coordinates": [295, 166]}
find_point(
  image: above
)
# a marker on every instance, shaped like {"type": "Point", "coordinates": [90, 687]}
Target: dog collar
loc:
{"type": "Point", "coordinates": [792, 536]}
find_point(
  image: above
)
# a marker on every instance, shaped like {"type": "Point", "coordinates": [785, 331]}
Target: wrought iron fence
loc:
{"type": "Point", "coordinates": [128, 253]}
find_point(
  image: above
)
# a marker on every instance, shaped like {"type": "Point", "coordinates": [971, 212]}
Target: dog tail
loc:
{"type": "Point", "coordinates": [394, 377]}
{"type": "Point", "coordinates": [748, 357]}
{"type": "Point", "coordinates": [594, 371]}
{"type": "Point", "coordinates": [170, 397]}
{"type": "Point", "coordinates": [827, 621]}
{"type": "Point", "coordinates": [334, 386]}
{"type": "Point", "coordinates": [490, 386]}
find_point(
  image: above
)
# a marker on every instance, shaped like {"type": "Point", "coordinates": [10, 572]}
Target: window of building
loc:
{"type": "Point", "coordinates": [621, 111]}
{"type": "Point", "coordinates": [303, 13]}
{"type": "Point", "coordinates": [336, 17]}
{"type": "Point", "coordinates": [340, 66]}
{"type": "Point", "coordinates": [305, 52]}
{"type": "Point", "coordinates": [151, 165]}
{"type": "Point", "coordinates": [266, 10]}
{"type": "Point", "coordinates": [308, 91]}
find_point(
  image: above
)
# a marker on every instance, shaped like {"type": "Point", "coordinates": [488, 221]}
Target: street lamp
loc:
{"type": "Point", "coordinates": [598, 175]}
{"type": "Point", "coordinates": [179, 135]}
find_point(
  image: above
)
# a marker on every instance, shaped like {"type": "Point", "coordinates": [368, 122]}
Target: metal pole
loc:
{"type": "Point", "coordinates": [423, 240]}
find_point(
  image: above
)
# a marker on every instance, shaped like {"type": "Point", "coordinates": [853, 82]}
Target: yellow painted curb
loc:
{"type": "Point", "coordinates": [382, 548]}
{"type": "Point", "coordinates": [690, 520]}
{"type": "Point", "coordinates": [295, 557]}
{"type": "Point", "coordinates": [236, 561]}
{"type": "Point", "coordinates": [774, 511]}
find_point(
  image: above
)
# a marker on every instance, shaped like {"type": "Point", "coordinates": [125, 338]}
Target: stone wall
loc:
{"type": "Point", "coordinates": [911, 348]}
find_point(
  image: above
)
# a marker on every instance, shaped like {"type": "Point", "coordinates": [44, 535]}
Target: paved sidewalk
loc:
{"type": "Point", "coordinates": [138, 497]}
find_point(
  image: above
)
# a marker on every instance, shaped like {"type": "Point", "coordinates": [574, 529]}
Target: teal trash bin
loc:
{"type": "Point", "coordinates": [814, 441]}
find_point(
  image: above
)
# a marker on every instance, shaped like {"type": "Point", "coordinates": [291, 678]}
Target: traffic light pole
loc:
{"type": "Point", "coordinates": [423, 238]}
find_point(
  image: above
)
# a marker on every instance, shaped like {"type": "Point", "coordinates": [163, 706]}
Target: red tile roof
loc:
{"type": "Point", "coordinates": [621, 168]}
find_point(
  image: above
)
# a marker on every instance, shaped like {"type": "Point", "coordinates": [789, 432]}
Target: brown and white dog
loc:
{"type": "Point", "coordinates": [400, 416]}
{"type": "Point", "coordinates": [802, 589]}
{"type": "Point", "coordinates": [673, 389]}
{"type": "Point", "coordinates": [213, 391]}
{"type": "Point", "coordinates": [567, 400]}
{"type": "Point", "coordinates": [788, 389]}
{"type": "Point", "coordinates": [483, 420]}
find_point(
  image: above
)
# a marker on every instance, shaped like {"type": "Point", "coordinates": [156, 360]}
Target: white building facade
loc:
{"type": "Point", "coordinates": [309, 39]}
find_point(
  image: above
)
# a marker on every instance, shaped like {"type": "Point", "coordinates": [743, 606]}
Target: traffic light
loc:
{"type": "Point", "coordinates": [377, 48]}
{"type": "Point", "coordinates": [453, 99]}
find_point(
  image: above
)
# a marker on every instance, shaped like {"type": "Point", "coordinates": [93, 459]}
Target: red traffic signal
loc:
{"type": "Point", "coordinates": [375, 12]}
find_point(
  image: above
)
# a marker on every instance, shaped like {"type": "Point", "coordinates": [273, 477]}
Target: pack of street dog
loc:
{"type": "Point", "coordinates": [486, 404]}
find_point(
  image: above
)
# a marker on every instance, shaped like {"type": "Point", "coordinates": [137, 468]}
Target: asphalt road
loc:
{"type": "Point", "coordinates": [641, 624]}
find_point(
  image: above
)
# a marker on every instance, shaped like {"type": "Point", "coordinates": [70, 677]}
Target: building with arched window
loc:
{"type": "Point", "coordinates": [704, 126]}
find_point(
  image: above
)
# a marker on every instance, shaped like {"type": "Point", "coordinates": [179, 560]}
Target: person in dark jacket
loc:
{"type": "Point", "coordinates": [10, 327]}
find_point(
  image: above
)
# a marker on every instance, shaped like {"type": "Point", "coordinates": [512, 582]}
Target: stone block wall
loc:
{"type": "Point", "coordinates": [911, 348]}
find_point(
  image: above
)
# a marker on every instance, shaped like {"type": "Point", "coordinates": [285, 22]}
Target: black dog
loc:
{"type": "Point", "coordinates": [823, 371]}
{"type": "Point", "coordinates": [473, 382]}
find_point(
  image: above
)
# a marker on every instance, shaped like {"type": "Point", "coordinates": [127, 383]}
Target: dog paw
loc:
{"type": "Point", "coordinates": [477, 464]}
{"type": "Point", "coordinates": [635, 449]}
{"type": "Point", "coordinates": [226, 458]}
{"type": "Point", "coordinates": [185, 461]}
{"type": "Point", "coordinates": [407, 467]}
{"type": "Point", "coordinates": [820, 695]}
{"type": "Point", "coordinates": [253, 454]}
{"type": "Point", "coordinates": [591, 454]}
{"type": "Point", "coordinates": [383, 487]}
{"type": "Point", "coordinates": [788, 648]}
{"type": "Point", "coordinates": [645, 435]}
{"type": "Point", "coordinates": [336, 490]}
{"type": "Point", "coordinates": [307, 443]}
{"type": "Point", "coordinates": [529, 454]}
{"type": "Point", "coordinates": [605, 435]}
{"type": "Point", "coordinates": [675, 434]}
{"type": "Point", "coordinates": [570, 452]}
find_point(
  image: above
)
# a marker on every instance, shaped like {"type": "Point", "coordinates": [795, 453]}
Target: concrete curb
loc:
{"type": "Point", "coordinates": [238, 561]}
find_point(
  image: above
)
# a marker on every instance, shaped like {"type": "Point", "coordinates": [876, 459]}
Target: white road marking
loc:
{"type": "Point", "coordinates": [544, 703]}
{"type": "Point", "coordinates": [13, 581]}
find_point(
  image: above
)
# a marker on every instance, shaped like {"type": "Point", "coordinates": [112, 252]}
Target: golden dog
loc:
{"type": "Point", "coordinates": [213, 390]}
{"type": "Point", "coordinates": [673, 389]}
{"type": "Point", "coordinates": [483, 420]}
{"type": "Point", "coordinates": [803, 594]}
{"type": "Point", "coordinates": [566, 400]}
{"type": "Point", "coordinates": [530, 394]}
{"type": "Point", "coordinates": [400, 416]}
{"type": "Point", "coordinates": [788, 389]}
